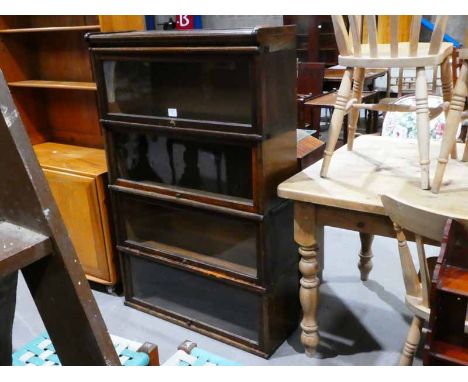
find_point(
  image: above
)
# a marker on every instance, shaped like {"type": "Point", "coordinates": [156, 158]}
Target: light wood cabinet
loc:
{"type": "Point", "coordinates": [46, 63]}
{"type": "Point", "coordinates": [77, 178]}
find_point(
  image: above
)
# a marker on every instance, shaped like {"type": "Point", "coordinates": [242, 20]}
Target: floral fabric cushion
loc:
{"type": "Point", "coordinates": [403, 125]}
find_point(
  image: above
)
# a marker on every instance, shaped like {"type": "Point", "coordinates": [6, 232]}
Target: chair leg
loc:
{"type": "Point", "coordinates": [337, 119]}
{"type": "Point", "coordinates": [465, 153]}
{"type": "Point", "coordinates": [412, 342]}
{"type": "Point", "coordinates": [358, 83]}
{"type": "Point", "coordinates": [447, 89]}
{"type": "Point", "coordinates": [453, 119]}
{"type": "Point", "coordinates": [422, 123]}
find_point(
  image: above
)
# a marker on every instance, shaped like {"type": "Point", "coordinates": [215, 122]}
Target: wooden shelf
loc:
{"type": "Point", "coordinates": [51, 29]}
{"type": "Point", "coordinates": [450, 352]}
{"type": "Point", "coordinates": [198, 257]}
{"type": "Point", "coordinates": [455, 280]}
{"type": "Point", "coordinates": [54, 85]}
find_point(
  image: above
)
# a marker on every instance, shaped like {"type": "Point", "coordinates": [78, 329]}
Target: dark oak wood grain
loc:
{"type": "Point", "coordinates": [447, 340]}
{"type": "Point", "coordinates": [200, 128]}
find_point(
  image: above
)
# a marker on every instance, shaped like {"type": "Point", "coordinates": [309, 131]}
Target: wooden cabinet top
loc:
{"type": "Point", "coordinates": [72, 159]}
{"type": "Point", "coordinates": [270, 38]}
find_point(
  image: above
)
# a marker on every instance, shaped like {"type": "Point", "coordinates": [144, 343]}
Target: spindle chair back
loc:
{"type": "Point", "coordinates": [424, 225]}
{"type": "Point", "coordinates": [357, 56]}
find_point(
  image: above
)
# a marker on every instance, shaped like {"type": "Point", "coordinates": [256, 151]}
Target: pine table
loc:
{"type": "Point", "coordinates": [350, 198]}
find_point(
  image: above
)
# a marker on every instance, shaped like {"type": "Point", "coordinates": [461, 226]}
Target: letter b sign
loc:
{"type": "Point", "coordinates": [184, 22]}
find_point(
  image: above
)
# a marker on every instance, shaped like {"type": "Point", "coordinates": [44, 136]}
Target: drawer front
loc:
{"type": "Point", "coordinates": [212, 91]}
{"type": "Point", "coordinates": [189, 234]}
{"type": "Point", "coordinates": [204, 167]}
{"type": "Point", "coordinates": [194, 299]}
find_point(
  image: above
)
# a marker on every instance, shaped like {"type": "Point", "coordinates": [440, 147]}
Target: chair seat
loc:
{"type": "Point", "coordinates": [415, 304]}
{"type": "Point", "coordinates": [463, 54]}
{"type": "Point", "coordinates": [404, 60]}
{"type": "Point", "coordinates": [388, 100]}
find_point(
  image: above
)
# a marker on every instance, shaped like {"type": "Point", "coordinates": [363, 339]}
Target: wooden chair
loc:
{"type": "Point", "coordinates": [455, 116]}
{"type": "Point", "coordinates": [357, 57]}
{"type": "Point", "coordinates": [424, 225]}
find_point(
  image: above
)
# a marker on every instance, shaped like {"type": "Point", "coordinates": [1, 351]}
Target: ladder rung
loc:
{"type": "Point", "coordinates": [20, 247]}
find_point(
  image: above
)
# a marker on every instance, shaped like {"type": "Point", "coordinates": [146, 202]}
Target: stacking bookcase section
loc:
{"type": "Point", "coordinates": [200, 129]}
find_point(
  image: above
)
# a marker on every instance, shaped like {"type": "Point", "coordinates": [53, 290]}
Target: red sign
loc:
{"type": "Point", "coordinates": [184, 22]}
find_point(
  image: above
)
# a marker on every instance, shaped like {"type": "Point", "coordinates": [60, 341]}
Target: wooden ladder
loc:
{"type": "Point", "coordinates": [33, 239]}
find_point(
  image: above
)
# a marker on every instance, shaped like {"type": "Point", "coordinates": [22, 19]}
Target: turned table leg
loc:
{"type": "Point", "coordinates": [305, 236]}
{"type": "Point", "coordinates": [365, 255]}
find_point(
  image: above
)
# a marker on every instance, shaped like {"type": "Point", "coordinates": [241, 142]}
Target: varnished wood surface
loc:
{"type": "Point", "coordinates": [121, 23]}
{"type": "Point", "coordinates": [268, 137]}
{"type": "Point", "coordinates": [51, 29]}
{"type": "Point", "coordinates": [72, 85]}
{"type": "Point", "coordinates": [455, 280]}
{"type": "Point", "coordinates": [276, 38]}
{"type": "Point", "coordinates": [77, 199]}
{"type": "Point", "coordinates": [50, 77]}
{"type": "Point", "coordinates": [47, 21]}
{"type": "Point", "coordinates": [329, 99]}
{"type": "Point", "coordinates": [72, 159]}
{"type": "Point", "coordinates": [335, 73]}
{"type": "Point", "coordinates": [309, 151]}
{"type": "Point", "coordinates": [447, 338]}
{"type": "Point", "coordinates": [376, 166]}
{"type": "Point", "coordinates": [456, 355]}
{"type": "Point", "coordinates": [76, 177]}
{"type": "Point", "coordinates": [308, 144]}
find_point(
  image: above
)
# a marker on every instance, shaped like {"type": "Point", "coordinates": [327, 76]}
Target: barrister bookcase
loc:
{"type": "Point", "coordinates": [200, 129]}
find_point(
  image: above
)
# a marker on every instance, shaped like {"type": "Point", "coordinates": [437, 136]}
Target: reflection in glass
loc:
{"type": "Point", "coordinates": [200, 165]}
{"type": "Point", "coordinates": [196, 297]}
{"type": "Point", "coordinates": [223, 241]}
{"type": "Point", "coordinates": [211, 90]}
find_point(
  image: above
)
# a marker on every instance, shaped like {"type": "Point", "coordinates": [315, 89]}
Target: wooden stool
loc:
{"type": "Point", "coordinates": [358, 57]}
